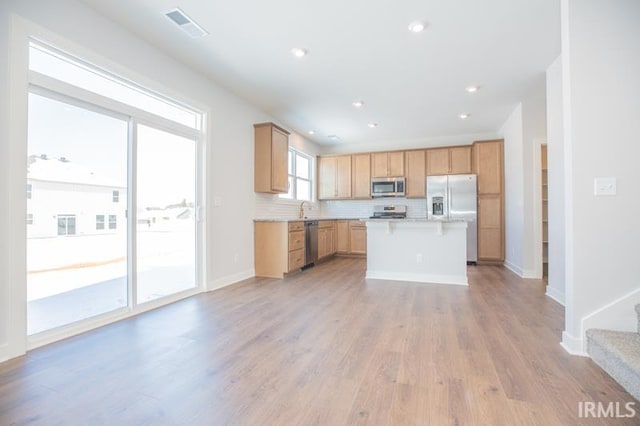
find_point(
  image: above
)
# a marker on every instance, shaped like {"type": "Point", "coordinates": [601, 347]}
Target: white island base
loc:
{"type": "Point", "coordinates": [417, 250]}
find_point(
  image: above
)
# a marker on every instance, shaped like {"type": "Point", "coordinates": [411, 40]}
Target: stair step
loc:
{"type": "Point", "coordinates": [617, 353]}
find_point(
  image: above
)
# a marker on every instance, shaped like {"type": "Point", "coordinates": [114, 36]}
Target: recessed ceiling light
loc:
{"type": "Point", "coordinates": [417, 26]}
{"type": "Point", "coordinates": [372, 125]}
{"type": "Point", "coordinates": [333, 137]}
{"type": "Point", "coordinates": [464, 115]}
{"type": "Point", "coordinates": [358, 104]}
{"type": "Point", "coordinates": [298, 52]}
{"type": "Point", "coordinates": [472, 89]}
{"type": "Point", "coordinates": [312, 132]}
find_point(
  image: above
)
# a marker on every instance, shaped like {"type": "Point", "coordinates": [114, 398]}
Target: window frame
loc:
{"type": "Point", "coordinates": [66, 218]}
{"type": "Point", "coordinates": [114, 222]}
{"type": "Point", "coordinates": [115, 196]}
{"type": "Point", "coordinates": [292, 177]}
{"type": "Point", "coordinates": [41, 84]}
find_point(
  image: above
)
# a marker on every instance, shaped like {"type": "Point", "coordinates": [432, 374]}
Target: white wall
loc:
{"type": "Point", "coordinates": [514, 195]}
{"type": "Point", "coordinates": [601, 65]}
{"type": "Point", "coordinates": [534, 128]}
{"type": "Point", "coordinates": [555, 180]}
{"type": "Point", "coordinates": [229, 142]}
{"type": "Point", "coordinates": [525, 126]}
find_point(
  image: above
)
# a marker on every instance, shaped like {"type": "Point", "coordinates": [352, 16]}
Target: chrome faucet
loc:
{"type": "Point", "coordinates": [302, 209]}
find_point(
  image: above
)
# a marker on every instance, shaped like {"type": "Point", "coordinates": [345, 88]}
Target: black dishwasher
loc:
{"type": "Point", "coordinates": [310, 242]}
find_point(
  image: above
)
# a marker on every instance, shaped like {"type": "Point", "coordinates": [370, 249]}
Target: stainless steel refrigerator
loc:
{"type": "Point", "coordinates": [454, 197]}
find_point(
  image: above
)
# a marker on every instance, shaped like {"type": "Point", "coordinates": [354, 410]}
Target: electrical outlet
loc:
{"type": "Point", "coordinates": [217, 201]}
{"type": "Point", "coordinates": [419, 258]}
{"type": "Point", "coordinates": [236, 258]}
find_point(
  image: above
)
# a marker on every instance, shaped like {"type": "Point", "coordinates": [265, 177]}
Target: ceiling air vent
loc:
{"type": "Point", "coordinates": [185, 23]}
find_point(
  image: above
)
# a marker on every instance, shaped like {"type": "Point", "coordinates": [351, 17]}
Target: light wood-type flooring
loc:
{"type": "Point", "coordinates": [322, 347]}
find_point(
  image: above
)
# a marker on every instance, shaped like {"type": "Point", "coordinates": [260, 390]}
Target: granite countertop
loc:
{"type": "Point", "coordinates": [295, 219]}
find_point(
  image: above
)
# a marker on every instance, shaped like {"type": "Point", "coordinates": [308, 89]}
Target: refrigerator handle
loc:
{"type": "Point", "coordinates": [448, 215]}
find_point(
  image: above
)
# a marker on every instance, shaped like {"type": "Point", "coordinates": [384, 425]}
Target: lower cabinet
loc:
{"type": "Point", "coordinates": [352, 237]}
{"type": "Point", "coordinates": [326, 238]}
{"type": "Point", "coordinates": [279, 247]}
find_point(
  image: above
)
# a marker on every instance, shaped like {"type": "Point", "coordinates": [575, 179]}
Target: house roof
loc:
{"type": "Point", "coordinates": [63, 170]}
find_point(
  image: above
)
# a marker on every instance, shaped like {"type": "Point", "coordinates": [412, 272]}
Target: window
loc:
{"type": "Point", "coordinates": [113, 221]}
{"type": "Point", "coordinates": [29, 189]}
{"type": "Point", "coordinates": [29, 218]}
{"type": "Point", "coordinates": [300, 173]}
{"type": "Point", "coordinates": [99, 221]}
{"type": "Point", "coordinates": [71, 101]}
{"type": "Point", "coordinates": [66, 224]}
{"type": "Point", "coordinates": [53, 63]}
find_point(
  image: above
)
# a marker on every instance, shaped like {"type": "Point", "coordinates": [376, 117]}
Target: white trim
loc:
{"type": "Point", "coordinates": [537, 209]}
{"type": "Point", "coordinates": [555, 294]}
{"type": "Point", "coordinates": [513, 268]}
{"type": "Point", "coordinates": [530, 274]}
{"type": "Point", "coordinates": [230, 279]}
{"type": "Point", "coordinates": [421, 278]}
{"type": "Point", "coordinates": [571, 324]}
{"type": "Point", "coordinates": [73, 329]}
{"type": "Point", "coordinates": [572, 345]}
{"type": "Point", "coordinates": [14, 317]}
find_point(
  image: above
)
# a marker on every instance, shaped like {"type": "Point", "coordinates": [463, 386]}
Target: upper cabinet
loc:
{"type": "Point", "coordinates": [449, 161]}
{"type": "Point", "coordinates": [488, 165]}
{"type": "Point", "coordinates": [415, 173]}
{"type": "Point", "coordinates": [387, 164]}
{"type": "Point", "coordinates": [270, 158]}
{"type": "Point", "coordinates": [334, 177]}
{"type": "Point", "coordinates": [361, 175]}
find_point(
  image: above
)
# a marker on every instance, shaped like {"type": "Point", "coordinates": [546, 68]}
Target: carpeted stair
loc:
{"type": "Point", "coordinates": [618, 353]}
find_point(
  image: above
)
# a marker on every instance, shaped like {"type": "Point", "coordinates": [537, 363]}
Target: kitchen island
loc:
{"type": "Point", "coordinates": [420, 250]}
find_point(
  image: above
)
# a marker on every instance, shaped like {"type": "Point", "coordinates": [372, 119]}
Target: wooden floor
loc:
{"type": "Point", "coordinates": [324, 347]}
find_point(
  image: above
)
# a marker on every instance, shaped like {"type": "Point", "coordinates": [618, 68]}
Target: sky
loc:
{"type": "Point", "coordinates": [166, 162]}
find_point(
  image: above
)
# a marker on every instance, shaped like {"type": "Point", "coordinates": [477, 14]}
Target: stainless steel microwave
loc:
{"type": "Point", "coordinates": [388, 187]}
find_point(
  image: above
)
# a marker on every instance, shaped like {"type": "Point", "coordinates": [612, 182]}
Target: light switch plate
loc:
{"type": "Point", "coordinates": [604, 186]}
{"type": "Point", "coordinates": [217, 201]}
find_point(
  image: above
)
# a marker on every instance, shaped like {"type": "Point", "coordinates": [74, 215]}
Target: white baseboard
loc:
{"type": "Point", "coordinates": [230, 279]}
{"type": "Point", "coordinates": [531, 274]}
{"type": "Point", "coordinates": [513, 268]}
{"type": "Point", "coordinates": [421, 278]}
{"type": "Point", "coordinates": [555, 294]}
{"type": "Point", "coordinates": [572, 345]}
{"type": "Point", "coordinates": [619, 315]}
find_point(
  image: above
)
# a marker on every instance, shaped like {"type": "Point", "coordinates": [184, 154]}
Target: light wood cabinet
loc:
{"type": "Point", "coordinates": [460, 160]}
{"type": "Point", "coordinates": [361, 175]}
{"type": "Point", "coordinates": [490, 222]}
{"type": "Point", "coordinates": [387, 164]}
{"type": "Point", "coordinates": [415, 174]}
{"type": "Point", "coordinates": [342, 236]}
{"type": "Point", "coordinates": [326, 238]}
{"type": "Point", "coordinates": [357, 237]}
{"type": "Point", "coordinates": [488, 165]}
{"type": "Point", "coordinates": [279, 247]}
{"type": "Point", "coordinates": [334, 177]}
{"type": "Point", "coordinates": [449, 161]}
{"type": "Point", "coordinates": [351, 237]}
{"type": "Point", "coordinates": [271, 145]}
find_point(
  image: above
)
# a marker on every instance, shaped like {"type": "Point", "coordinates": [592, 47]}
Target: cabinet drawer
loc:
{"type": "Point", "coordinates": [296, 240]}
{"type": "Point", "coordinates": [296, 259]}
{"type": "Point", "coordinates": [325, 223]}
{"type": "Point", "coordinates": [296, 226]}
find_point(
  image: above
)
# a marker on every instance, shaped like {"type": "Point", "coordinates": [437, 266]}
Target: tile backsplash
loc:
{"type": "Point", "coordinates": [416, 208]}
{"type": "Point", "coordinates": [270, 206]}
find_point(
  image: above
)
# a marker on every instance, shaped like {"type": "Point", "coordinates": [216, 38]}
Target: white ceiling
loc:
{"type": "Point", "coordinates": [413, 85]}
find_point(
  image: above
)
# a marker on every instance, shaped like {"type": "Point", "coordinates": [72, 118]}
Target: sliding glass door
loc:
{"type": "Point", "coordinates": [166, 213]}
{"type": "Point", "coordinates": [76, 213]}
{"type": "Point", "coordinates": [112, 189]}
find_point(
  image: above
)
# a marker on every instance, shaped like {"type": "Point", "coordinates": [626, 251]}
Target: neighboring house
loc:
{"type": "Point", "coordinates": [66, 199]}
